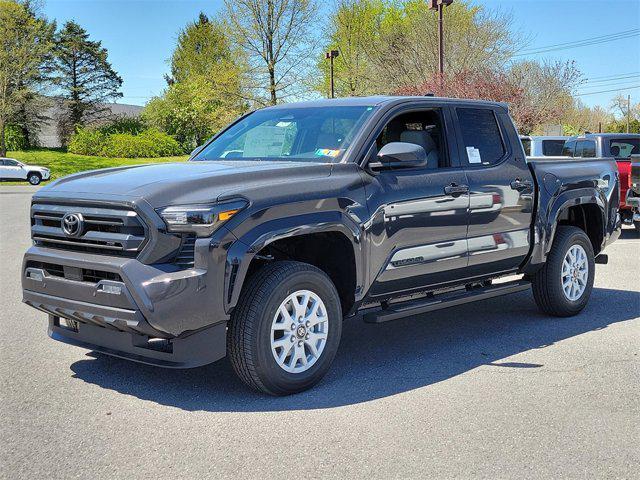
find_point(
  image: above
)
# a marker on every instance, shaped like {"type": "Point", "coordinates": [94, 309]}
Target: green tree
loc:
{"type": "Point", "coordinates": [84, 78]}
{"type": "Point", "coordinates": [204, 91]}
{"type": "Point", "coordinates": [354, 25]}
{"type": "Point", "coordinates": [278, 37]}
{"type": "Point", "coordinates": [394, 45]}
{"type": "Point", "coordinates": [25, 42]}
{"type": "Point", "coordinates": [203, 47]}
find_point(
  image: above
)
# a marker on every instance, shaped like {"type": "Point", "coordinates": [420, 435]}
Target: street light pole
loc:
{"type": "Point", "coordinates": [439, 6]}
{"type": "Point", "coordinates": [628, 111]}
{"type": "Point", "coordinates": [330, 56]}
{"type": "Point", "coordinates": [440, 40]}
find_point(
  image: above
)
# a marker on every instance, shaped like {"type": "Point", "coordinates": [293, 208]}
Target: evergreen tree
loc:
{"type": "Point", "coordinates": [84, 78]}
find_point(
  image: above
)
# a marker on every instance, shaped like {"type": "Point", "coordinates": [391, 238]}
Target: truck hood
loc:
{"type": "Point", "coordinates": [182, 183]}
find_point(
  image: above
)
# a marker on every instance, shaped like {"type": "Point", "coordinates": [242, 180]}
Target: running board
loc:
{"type": "Point", "coordinates": [443, 300]}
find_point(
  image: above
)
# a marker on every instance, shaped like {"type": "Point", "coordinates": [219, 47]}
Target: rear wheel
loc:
{"type": "Point", "coordinates": [563, 286]}
{"type": "Point", "coordinates": [637, 227]}
{"type": "Point", "coordinates": [34, 178]}
{"type": "Point", "coordinates": [285, 331]}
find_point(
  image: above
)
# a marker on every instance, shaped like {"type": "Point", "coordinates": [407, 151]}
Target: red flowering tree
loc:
{"type": "Point", "coordinates": [526, 109]}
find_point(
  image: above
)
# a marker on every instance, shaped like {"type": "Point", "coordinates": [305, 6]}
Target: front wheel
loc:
{"type": "Point", "coordinates": [285, 331]}
{"type": "Point", "coordinates": [34, 178]}
{"type": "Point", "coordinates": [563, 286]}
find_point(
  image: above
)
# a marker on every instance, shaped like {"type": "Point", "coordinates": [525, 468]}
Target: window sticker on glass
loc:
{"type": "Point", "coordinates": [474, 155]}
{"type": "Point", "coordinates": [256, 146]}
{"type": "Point", "coordinates": [327, 152]}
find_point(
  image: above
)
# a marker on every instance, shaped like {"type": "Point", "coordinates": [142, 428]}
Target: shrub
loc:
{"type": "Point", "coordinates": [147, 144]}
{"type": "Point", "coordinates": [132, 125]}
{"type": "Point", "coordinates": [15, 139]}
{"type": "Point", "coordinates": [87, 141]}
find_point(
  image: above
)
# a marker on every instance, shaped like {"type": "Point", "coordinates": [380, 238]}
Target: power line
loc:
{"type": "Point", "coordinates": [581, 43]}
{"type": "Point", "coordinates": [607, 91]}
{"type": "Point", "coordinates": [613, 75]}
{"type": "Point", "coordinates": [613, 79]}
{"type": "Point", "coordinates": [601, 38]}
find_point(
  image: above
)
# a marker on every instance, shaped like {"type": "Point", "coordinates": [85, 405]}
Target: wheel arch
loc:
{"type": "Point", "coordinates": [583, 208]}
{"type": "Point", "coordinates": [294, 238]}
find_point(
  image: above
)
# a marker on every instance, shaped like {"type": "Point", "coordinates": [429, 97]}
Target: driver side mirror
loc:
{"type": "Point", "coordinates": [396, 155]}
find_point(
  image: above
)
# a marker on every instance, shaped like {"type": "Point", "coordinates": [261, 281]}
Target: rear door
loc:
{"type": "Point", "coordinates": [501, 190]}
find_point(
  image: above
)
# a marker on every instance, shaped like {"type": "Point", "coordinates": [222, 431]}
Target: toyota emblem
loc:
{"type": "Point", "coordinates": [72, 224]}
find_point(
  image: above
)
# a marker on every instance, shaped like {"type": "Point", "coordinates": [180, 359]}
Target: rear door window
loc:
{"type": "Point", "coordinates": [481, 136]}
{"type": "Point", "coordinates": [552, 148]}
{"type": "Point", "coordinates": [585, 149]}
{"type": "Point", "coordinates": [569, 148]}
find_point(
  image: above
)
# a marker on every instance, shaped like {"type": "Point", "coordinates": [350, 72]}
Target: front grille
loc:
{"type": "Point", "coordinates": [50, 268]}
{"type": "Point", "coordinates": [74, 273]}
{"type": "Point", "coordinates": [107, 230]}
{"type": "Point", "coordinates": [185, 257]}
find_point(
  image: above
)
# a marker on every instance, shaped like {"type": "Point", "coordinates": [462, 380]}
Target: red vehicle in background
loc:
{"type": "Point", "coordinates": [633, 193]}
{"type": "Point", "coordinates": [617, 145]}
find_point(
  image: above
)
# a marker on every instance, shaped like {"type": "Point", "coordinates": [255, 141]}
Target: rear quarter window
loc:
{"type": "Point", "coordinates": [526, 144]}
{"type": "Point", "coordinates": [481, 136]}
{"type": "Point", "coordinates": [624, 147]}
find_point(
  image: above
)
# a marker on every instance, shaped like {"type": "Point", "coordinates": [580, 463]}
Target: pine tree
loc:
{"type": "Point", "coordinates": [84, 78]}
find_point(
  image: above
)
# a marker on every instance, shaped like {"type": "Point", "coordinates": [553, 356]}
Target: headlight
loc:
{"type": "Point", "coordinates": [202, 220]}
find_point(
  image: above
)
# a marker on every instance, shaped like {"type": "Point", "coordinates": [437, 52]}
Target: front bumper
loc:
{"type": "Point", "coordinates": [197, 349]}
{"type": "Point", "coordinates": [133, 306]}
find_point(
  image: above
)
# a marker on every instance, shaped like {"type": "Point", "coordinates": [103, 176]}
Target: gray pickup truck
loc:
{"type": "Point", "coordinates": [297, 216]}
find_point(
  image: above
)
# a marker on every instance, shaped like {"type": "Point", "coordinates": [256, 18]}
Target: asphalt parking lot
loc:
{"type": "Point", "coordinates": [490, 390]}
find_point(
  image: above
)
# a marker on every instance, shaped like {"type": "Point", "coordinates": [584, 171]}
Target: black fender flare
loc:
{"type": "Point", "coordinates": [245, 248]}
{"type": "Point", "coordinates": [547, 221]}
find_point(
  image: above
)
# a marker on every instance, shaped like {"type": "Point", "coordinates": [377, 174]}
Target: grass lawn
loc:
{"type": "Point", "coordinates": [62, 163]}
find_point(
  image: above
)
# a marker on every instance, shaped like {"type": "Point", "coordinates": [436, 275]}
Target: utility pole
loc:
{"type": "Point", "coordinates": [439, 6]}
{"type": "Point", "coordinates": [628, 111]}
{"type": "Point", "coordinates": [330, 56]}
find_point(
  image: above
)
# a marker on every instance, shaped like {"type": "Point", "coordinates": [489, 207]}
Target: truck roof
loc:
{"type": "Point", "coordinates": [388, 100]}
{"type": "Point", "coordinates": [606, 135]}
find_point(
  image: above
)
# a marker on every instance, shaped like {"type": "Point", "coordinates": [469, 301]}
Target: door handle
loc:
{"type": "Point", "coordinates": [454, 189]}
{"type": "Point", "coordinates": [521, 185]}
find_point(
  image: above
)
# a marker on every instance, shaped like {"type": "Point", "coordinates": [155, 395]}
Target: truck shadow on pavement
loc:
{"type": "Point", "coordinates": [376, 361]}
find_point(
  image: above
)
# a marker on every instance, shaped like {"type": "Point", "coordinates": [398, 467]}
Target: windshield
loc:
{"type": "Point", "coordinates": [624, 147]}
{"type": "Point", "coordinates": [314, 134]}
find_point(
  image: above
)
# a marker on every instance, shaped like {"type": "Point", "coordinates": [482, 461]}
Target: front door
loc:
{"type": "Point", "coordinates": [417, 232]}
{"type": "Point", "coordinates": [11, 169]}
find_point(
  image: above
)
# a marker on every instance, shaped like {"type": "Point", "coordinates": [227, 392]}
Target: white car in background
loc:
{"type": "Point", "coordinates": [542, 146]}
{"type": "Point", "coordinates": [13, 170]}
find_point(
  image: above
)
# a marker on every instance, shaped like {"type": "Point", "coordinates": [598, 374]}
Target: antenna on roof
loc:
{"type": "Point", "coordinates": [429, 94]}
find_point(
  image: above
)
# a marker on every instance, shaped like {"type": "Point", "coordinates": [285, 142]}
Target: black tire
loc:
{"type": "Point", "coordinates": [249, 332]}
{"type": "Point", "coordinates": [34, 178]}
{"type": "Point", "coordinates": [547, 282]}
{"type": "Point", "coordinates": [637, 227]}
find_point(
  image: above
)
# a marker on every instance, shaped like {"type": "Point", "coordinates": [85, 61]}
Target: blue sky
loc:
{"type": "Point", "coordinates": [140, 36]}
